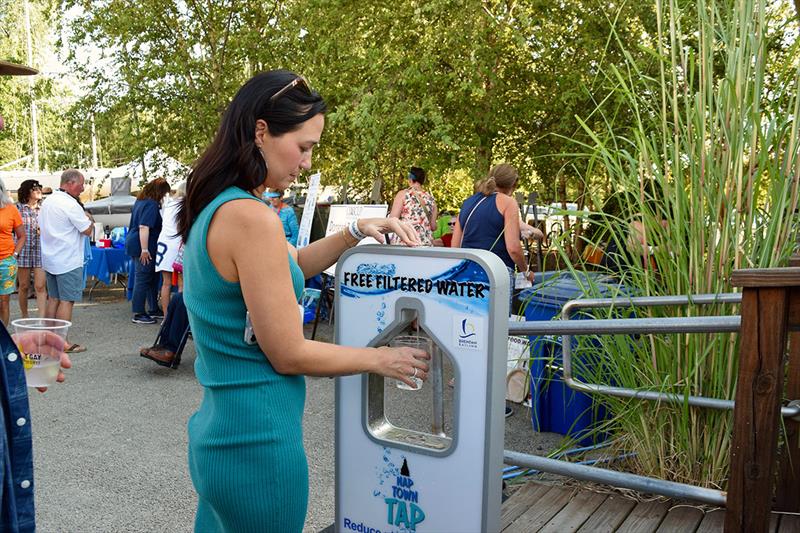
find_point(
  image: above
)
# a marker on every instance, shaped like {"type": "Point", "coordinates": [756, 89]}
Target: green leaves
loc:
{"type": "Point", "coordinates": [705, 175]}
{"type": "Point", "coordinates": [448, 86]}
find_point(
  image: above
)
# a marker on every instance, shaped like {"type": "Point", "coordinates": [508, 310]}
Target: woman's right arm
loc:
{"type": "Point", "coordinates": [322, 253]}
{"type": "Point", "coordinates": [397, 205]}
{"type": "Point", "coordinates": [511, 224]}
{"type": "Point", "coordinates": [262, 268]}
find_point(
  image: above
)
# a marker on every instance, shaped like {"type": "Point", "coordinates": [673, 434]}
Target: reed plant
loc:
{"type": "Point", "coordinates": [708, 171]}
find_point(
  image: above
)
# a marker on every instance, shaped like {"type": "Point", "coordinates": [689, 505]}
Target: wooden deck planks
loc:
{"type": "Point", "coordinates": [681, 518]}
{"type": "Point", "coordinates": [712, 522]}
{"type": "Point", "coordinates": [644, 518]}
{"type": "Point", "coordinates": [519, 502]}
{"type": "Point", "coordinates": [543, 508]}
{"type": "Point", "coordinates": [577, 511]}
{"type": "Point", "coordinates": [546, 508]}
{"type": "Point", "coordinates": [609, 515]}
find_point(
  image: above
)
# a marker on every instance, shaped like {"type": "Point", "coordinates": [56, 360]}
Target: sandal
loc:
{"type": "Point", "coordinates": [75, 348]}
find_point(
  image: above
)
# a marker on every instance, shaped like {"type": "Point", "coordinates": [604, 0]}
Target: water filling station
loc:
{"type": "Point", "coordinates": [441, 474]}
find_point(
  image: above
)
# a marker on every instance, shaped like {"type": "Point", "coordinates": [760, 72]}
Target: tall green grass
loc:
{"type": "Point", "coordinates": [710, 168]}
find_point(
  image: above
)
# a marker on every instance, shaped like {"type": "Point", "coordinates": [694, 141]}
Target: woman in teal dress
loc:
{"type": "Point", "coordinates": [246, 454]}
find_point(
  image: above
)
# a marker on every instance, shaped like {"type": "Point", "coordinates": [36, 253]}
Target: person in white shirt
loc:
{"type": "Point", "coordinates": [169, 243]}
{"type": "Point", "coordinates": [63, 224]}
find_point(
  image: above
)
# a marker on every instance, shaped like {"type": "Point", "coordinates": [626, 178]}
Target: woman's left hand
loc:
{"type": "Point", "coordinates": [377, 227]}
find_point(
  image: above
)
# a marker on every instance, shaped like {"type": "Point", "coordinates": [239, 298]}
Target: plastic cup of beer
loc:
{"type": "Point", "coordinates": [412, 341]}
{"type": "Point", "coordinates": [39, 358]}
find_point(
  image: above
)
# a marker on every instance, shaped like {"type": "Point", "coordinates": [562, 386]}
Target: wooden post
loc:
{"type": "Point", "coordinates": [762, 344]}
{"type": "Point", "coordinates": [788, 487]}
{"type": "Point", "coordinates": [787, 496]}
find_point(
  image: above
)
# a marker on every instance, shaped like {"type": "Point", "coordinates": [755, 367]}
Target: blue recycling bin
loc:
{"type": "Point", "coordinates": [554, 406]}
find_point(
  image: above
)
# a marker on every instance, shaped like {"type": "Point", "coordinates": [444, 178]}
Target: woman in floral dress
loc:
{"type": "Point", "coordinates": [416, 207]}
{"type": "Point", "coordinates": [29, 195]}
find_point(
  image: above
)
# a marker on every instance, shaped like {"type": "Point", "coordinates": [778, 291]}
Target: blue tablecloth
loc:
{"type": "Point", "coordinates": [108, 261]}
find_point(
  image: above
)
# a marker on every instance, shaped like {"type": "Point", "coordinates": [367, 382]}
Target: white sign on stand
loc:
{"type": "Point", "coordinates": [342, 214]}
{"type": "Point", "coordinates": [394, 479]}
{"type": "Point", "coordinates": [304, 234]}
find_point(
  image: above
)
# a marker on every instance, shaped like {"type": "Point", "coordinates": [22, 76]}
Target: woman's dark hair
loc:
{"type": "Point", "coordinates": [232, 158]}
{"type": "Point", "coordinates": [25, 188]}
{"type": "Point", "coordinates": [417, 174]}
{"type": "Point", "coordinates": [154, 190]}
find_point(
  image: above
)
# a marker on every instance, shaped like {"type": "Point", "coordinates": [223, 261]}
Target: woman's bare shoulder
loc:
{"type": "Point", "coordinates": [244, 214]}
{"type": "Point", "coordinates": [505, 202]}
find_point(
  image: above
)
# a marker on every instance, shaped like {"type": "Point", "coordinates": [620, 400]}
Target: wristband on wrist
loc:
{"type": "Point", "coordinates": [355, 232]}
{"type": "Point", "coordinates": [347, 242]}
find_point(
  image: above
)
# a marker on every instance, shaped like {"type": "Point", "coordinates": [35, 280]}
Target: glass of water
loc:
{"type": "Point", "coordinates": [40, 358]}
{"type": "Point", "coordinates": [412, 341]}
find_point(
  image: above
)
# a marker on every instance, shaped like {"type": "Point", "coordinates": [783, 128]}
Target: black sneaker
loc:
{"type": "Point", "coordinates": [156, 314]}
{"type": "Point", "coordinates": [143, 319]}
{"type": "Point", "coordinates": [509, 411]}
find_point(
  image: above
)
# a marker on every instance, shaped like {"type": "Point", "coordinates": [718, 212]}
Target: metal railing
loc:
{"type": "Point", "coordinates": [699, 324]}
{"type": "Point", "coordinates": [568, 328]}
{"type": "Point", "coordinates": [618, 479]}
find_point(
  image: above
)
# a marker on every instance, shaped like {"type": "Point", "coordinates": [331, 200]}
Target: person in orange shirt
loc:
{"type": "Point", "coordinates": [10, 225]}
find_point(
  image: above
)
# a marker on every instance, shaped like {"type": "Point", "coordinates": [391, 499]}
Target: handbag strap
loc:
{"type": "Point", "coordinates": [464, 229]}
{"type": "Point", "coordinates": [421, 203]}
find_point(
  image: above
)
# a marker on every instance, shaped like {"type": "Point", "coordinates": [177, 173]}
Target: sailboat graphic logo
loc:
{"type": "Point", "coordinates": [467, 329]}
{"type": "Point", "coordinates": [467, 332]}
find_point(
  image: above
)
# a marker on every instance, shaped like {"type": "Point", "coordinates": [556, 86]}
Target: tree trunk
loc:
{"type": "Point", "coordinates": [562, 195]}
{"type": "Point", "coordinates": [377, 187]}
{"type": "Point", "coordinates": [577, 240]}
{"type": "Point", "coordinates": [486, 128]}
{"type": "Point", "coordinates": [483, 154]}
{"type": "Point", "coordinates": [797, 10]}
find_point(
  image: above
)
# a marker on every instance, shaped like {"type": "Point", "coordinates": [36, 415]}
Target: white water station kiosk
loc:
{"type": "Point", "coordinates": [440, 477]}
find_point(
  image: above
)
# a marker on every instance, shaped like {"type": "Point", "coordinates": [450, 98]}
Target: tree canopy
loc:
{"type": "Point", "coordinates": [452, 86]}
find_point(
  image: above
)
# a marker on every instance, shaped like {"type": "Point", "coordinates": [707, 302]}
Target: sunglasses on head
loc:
{"type": "Point", "coordinates": [299, 80]}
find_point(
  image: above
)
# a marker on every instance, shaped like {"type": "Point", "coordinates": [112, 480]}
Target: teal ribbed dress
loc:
{"type": "Point", "coordinates": [246, 455]}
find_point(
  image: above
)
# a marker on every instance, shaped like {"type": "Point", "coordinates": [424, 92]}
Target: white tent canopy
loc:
{"type": "Point", "coordinates": [98, 180]}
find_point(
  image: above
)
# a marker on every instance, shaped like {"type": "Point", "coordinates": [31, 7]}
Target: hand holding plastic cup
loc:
{"type": "Point", "coordinates": [412, 341]}
{"type": "Point", "coordinates": [41, 342]}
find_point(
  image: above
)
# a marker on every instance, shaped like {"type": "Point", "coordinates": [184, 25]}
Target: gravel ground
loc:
{"type": "Point", "coordinates": [110, 443]}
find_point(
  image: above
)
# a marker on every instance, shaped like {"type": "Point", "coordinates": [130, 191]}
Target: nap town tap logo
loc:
{"type": "Point", "coordinates": [467, 332]}
{"type": "Point", "coordinates": [402, 508]}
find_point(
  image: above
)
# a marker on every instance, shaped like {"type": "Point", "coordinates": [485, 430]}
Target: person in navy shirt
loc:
{"type": "Point", "coordinates": [141, 244]}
